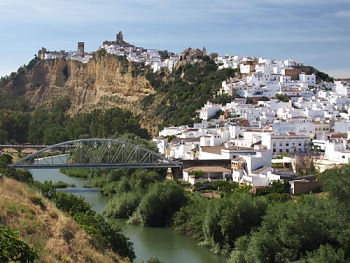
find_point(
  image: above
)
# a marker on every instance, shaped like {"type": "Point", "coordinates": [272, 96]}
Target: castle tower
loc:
{"type": "Point", "coordinates": [120, 40]}
{"type": "Point", "coordinates": [81, 48]}
{"type": "Point", "coordinates": [204, 51]}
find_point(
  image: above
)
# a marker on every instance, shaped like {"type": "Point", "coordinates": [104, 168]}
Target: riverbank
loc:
{"type": "Point", "coordinates": [162, 243]}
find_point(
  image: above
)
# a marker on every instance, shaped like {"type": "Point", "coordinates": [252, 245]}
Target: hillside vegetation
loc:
{"type": "Point", "coordinates": [108, 81]}
{"type": "Point", "coordinates": [55, 236]}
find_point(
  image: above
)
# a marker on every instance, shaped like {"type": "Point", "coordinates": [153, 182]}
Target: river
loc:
{"type": "Point", "coordinates": [161, 243]}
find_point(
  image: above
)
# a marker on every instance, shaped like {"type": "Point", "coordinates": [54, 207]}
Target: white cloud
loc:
{"type": "Point", "coordinates": [343, 13]}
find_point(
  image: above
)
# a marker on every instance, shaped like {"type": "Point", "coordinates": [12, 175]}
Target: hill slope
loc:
{"type": "Point", "coordinates": [40, 224]}
{"type": "Point", "coordinates": [106, 80]}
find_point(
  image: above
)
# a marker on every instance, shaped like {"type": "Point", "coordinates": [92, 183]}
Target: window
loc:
{"type": "Point", "coordinates": [280, 150]}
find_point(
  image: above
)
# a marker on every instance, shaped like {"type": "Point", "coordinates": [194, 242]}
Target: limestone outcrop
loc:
{"type": "Point", "coordinates": [105, 81]}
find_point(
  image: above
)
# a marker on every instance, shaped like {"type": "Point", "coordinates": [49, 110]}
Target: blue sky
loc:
{"type": "Point", "coordinates": [313, 32]}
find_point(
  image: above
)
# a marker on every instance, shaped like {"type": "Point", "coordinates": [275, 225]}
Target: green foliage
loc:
{"type": "Point", "coordinates": [5, 159]}
{"type": "Point", "coordinates": [185, 90]}
{"type": "Point", "coordinates": [276, 187]}
{"type": "Point", "coordinates": [37, 200]}
{"type": "Point", "coordinates": [291, 230]}
{"type": "Point", "coordinates": [53, 126]}
{"type": "Point", "coordinates": [61, 105]}
{"type": "Point", "coordinates": [189, 219]}
{"type": "Point", "coordinates": [105, 234]}
{"type": "Point", "coordinates": [15, 124]}
{"type": "Point", "coordinates": [123, 205]}
{"type": "Point", "coordinates": [159, 204]}
{"type": "Point", "coordinates": [14, 250]}
{"type": "Point", "coordinates": [55, 134]}
{"type": "Point", "coordinates": [224, 187]}
{"type": "Point", "coordinates": [229, 218]}
{"type": "Point", "coordinates": [61, 184]}
{"type": "Point", "coordinates": [325, 253]}
{"type": "Point", "coordinates": [71, 203]}
{"type": "Point", "coordinates": [4, 136]}
{"type": "Point", "coordinates": [324, 76]}
{"type": "Point", "coordinates": [125, 180]}
{"type": "Point", "coordinates": [283, 98]}
{"type": "Point", "coordinates": [47, 189]}
{"type": "Point", "coordinates": [33, 62]}
{"type": "Point", "coordinates": [12, 100]}
{"type": "Point", "coordinates": [336, 182]}
{"type": "Point", "coordinates": [20, 175]}
{"type": "Point", "coordinates": [76, 172]}
{"type": "Point", "coordinates": [198, 174]}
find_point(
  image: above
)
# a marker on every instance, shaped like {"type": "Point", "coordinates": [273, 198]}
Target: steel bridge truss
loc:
{"type": "Point", "coordinates": [95, 153]}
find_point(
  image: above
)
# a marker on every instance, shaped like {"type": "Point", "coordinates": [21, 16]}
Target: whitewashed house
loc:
{"type": "Point", "coordinates": [209, 110]}
{"type": "Point", "coordinates": [288, 142]}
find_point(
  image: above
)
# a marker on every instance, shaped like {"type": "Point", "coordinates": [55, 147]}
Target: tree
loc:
{"type": "Point", "coordinates": [4, 136]}
{"type": "Point", "coordinates": [304, 162]}
{"type": "Point", "coordinates": [55, 134]}
{"type": "Point", "coordinates": [160, 203]}
{"type": "Point", "coordinates": [325, 253]}
{"type": "Point", "coordinates": [229, 218]}
{"type": "Point", "coordinates": [291, 229]}
{"type": "Point", "coordinates": [336, 182]}
{"type": "Point", "coordinates": [14, 250]}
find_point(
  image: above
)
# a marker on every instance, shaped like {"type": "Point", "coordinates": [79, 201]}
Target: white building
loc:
{"type": "Point", "coordinates": [209, 110]}
{"type": "Point", "coordinates": [288, 142]}
{"type": "Point", "coordinates": [342, 88]}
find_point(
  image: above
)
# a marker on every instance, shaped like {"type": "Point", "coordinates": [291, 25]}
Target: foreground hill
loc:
{"type": "Point", "coordinates": [55, 235]}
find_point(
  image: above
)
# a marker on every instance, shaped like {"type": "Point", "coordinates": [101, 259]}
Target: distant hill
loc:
{"type": "Point", "coordinates": [108, 81]}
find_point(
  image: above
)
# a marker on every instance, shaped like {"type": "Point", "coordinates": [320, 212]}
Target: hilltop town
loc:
{"type": "Point", "coordinates": [284, 122]}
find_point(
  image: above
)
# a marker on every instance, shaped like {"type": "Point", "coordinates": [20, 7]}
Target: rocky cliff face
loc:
{"type": "Point", "coordinates": [105, 81]}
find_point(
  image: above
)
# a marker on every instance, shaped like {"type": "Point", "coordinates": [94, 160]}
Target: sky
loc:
{"type": "Point", "coordinates": [314, 32]}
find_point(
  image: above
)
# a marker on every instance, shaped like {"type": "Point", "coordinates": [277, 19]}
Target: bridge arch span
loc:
{"type": "Point", "coordinates": [95, 153]}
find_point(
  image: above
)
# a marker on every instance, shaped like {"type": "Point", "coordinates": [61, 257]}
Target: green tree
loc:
{"type": "Point", "coordinates": [325, 253]}
{"type": "Point", "coordinates": [291, 229]}
{"type": "Point", "coordinates": [123, 205]}
{"type": "Point", "coordinates": [230, 218]}
{"type": "Point", "coordinates": [55, 134]}
{"type": "Point", "coordinates": [336, 182]}
{"type": "Point", "coordinates": [13, 249]}
{"type": "Point", "coordinates": [4, 136]}
{"type": "Point", "coordinates": [160, 203]}
{"type": "Point", "coordinates": [189, 219]}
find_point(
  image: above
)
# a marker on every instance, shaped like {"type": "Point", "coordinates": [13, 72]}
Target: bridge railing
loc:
{"type": "Point", "coordinates": [95, 153]}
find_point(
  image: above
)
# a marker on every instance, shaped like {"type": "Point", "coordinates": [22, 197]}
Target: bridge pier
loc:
{"type": "Point", "coordinates": [176, 173]}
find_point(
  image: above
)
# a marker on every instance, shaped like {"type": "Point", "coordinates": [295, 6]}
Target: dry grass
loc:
{"type": "Point", "coordinates": [57, 237]}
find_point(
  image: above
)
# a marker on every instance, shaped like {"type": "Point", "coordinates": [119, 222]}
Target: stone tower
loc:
{"type": "Point", "coordinates": [81, 48]}
{"type": "Point", "coordinates": [204, 51]}
{"type": "Point", "coordinates": [120, 40]}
